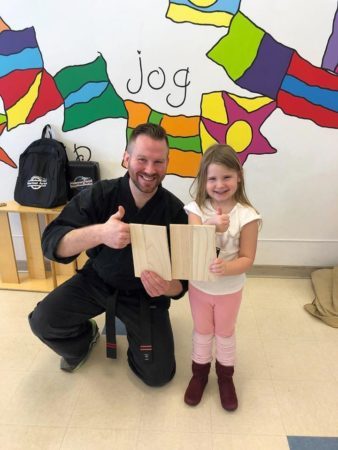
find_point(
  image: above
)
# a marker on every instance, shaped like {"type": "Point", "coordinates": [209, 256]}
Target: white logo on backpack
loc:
{"type": "Point", "coordinates": [36, 182]}
{"type": "Point", "coordinates": [81, 182]}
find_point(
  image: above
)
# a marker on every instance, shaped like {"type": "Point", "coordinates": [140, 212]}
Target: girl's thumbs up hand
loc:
{"type": "Point", "coordinates": [221, 221]}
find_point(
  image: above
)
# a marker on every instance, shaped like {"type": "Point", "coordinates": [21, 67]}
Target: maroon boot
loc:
{"type": "Point", "coordinates": [196, 386]}
{"type": "Point", "coordinates": [226, 386]}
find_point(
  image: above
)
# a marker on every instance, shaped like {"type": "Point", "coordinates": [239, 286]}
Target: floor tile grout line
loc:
{"type": "Point", "coordinates": [270, 373]}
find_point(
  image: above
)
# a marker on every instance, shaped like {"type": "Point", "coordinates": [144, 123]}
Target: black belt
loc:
{"type": "Point", "coordinates": [145, 321]}
{"type": "Point", "coordinates": [110, 326]}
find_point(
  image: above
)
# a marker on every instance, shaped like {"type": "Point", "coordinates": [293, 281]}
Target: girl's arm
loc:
{"type": "Point", "coordinates": [194, 219]}
{"type": "Point", "coordinates": [246, 254]}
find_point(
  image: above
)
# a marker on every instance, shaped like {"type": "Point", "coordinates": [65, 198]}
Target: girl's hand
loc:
{"type": "Point", "coordinates": [218, 267]}
{"type": "Point", "coordinates": [221, 221]}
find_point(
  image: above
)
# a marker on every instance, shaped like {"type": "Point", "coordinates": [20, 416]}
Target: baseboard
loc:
{"type": "Point", "coordinates": [257, 271]}
{"type": "Point", "coordinates": [261, 271]}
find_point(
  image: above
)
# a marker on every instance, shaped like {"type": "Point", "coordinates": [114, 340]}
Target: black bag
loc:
{"type": "Point", "coordinates": [82, 174]}
{"type": "Point", "coordinates": [42, 173]}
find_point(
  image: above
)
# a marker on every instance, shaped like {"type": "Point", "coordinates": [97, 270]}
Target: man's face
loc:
{"type": "Point", "coordinates": [147, 163]}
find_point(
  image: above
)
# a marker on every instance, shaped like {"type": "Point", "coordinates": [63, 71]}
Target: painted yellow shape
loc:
{"type": "Point", "coordinates": [17, 114]}
{"type": "Point", "coordinates": [251, 104]}
{"type": "Point", "coordinates": [206, 139]}
{"type": "Point", "coordinates": [203, 3]}
{"type": "Point", "coordinates": [212, 107]}
{"type": "Point", "coordinates": [239, 135]}
{"type": "Point", "coordinates": [182, 13]}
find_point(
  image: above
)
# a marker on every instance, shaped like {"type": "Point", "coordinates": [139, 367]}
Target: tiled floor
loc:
{"type": "Point", "coordinates": [286, 378]}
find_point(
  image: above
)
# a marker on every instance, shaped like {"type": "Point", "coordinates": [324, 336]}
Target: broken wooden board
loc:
{"type": "Point", "coordinates": [150, 249]}
{"type": "Point", "coordinates": [193, 248]}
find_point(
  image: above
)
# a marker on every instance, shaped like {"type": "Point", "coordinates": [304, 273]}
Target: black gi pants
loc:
{"type": "Point", "coordinates": [60, 320]}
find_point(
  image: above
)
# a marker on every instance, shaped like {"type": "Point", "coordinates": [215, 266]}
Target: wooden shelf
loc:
{"type": "Point", "coordinates": [37, 278]}
{"type": "Point", "coordinates": [30, 284]}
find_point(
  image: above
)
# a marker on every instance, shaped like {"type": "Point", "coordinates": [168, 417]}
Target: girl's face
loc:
{"type": "Point", "coordinates": [221, 185]}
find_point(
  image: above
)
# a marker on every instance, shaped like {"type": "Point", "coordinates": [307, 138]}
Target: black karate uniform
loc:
{"type": "Point", "coordinates": [107, 283]}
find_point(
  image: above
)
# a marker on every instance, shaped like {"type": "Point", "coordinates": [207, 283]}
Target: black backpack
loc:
{"type": "Point", "coordinates": [42, 173]}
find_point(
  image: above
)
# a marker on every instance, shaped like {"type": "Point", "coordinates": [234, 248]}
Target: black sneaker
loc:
{"type": "Point", "coordinates": [72, 366]}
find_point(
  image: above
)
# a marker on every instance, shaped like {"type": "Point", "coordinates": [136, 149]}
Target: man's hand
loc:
{"type": "Point", "coordinates": [154, 284]}
{"type": "Point", "coordinates": [115, 233]}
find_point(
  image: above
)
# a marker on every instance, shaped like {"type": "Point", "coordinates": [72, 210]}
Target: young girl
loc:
{"type": "Point", "coordinates": [221, 201]}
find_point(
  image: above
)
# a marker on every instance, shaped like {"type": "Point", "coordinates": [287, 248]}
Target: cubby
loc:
{"type": "Point", "coordinates": [37, 277]}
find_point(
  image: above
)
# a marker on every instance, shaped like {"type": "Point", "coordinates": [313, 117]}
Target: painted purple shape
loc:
{"type": "Point", "coordinates": [12, 42]}
{"type": "Point", "coordinates": [267, 71]}
{"type": "Point", "coordinates": [215, 129]}
{"type": "Point", "coordinates": [259, 145]}
{"type": "Point", "coordinates": [330, 59]}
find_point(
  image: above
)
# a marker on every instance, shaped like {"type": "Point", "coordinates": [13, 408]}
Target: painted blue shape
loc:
{"type": "Point", "coordinates": [230, 6]}
{"type": "Point", "coordinates": [314, 94]}
{"type": "Point", "coordinates": [312, 443]}
{"type": "Point", "coordinates": [86, 93]}
{"type": "Point", "coordinates": [30, 58]}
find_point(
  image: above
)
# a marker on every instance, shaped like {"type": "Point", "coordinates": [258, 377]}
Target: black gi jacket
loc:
{"type": "Point", "coordinates": [95, 205]}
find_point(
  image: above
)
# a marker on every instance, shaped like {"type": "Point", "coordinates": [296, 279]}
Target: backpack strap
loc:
{"type": "Point", "coordinates": [47, 129]}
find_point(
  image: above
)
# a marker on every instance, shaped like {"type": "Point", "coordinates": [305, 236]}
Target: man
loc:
{"type": "Point", "coordinates": [97, 221]}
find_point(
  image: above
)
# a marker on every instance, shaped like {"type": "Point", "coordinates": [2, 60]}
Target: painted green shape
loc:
{"type": "Point", "coordinates": [192, 144]}
{"type": "Point", "coordinates": [72, 78]}
{"type": "Point", "coordinates": [155, 117]}
{"type": "Point", "coordinates": [129, 131]}
{"type": "Point", "coordinates": [237, 50]}
{"type": "Point", "coordinates": [107, 105]}
{"type": "Point", "coordinates": [3, 118]}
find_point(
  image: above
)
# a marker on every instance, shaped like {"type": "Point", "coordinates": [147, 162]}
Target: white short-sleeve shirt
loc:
{"type": "Point", "coordinates": [228, 242]}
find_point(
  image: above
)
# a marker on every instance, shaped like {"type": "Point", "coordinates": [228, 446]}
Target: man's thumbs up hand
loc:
{"type": "Point", "coordinates": [119, 214]}
{"type": "Point", "coordinates": [115, 233]}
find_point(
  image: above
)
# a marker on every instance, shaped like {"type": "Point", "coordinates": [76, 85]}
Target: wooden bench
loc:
{"type": "Point", "coordinates": [37, 278]}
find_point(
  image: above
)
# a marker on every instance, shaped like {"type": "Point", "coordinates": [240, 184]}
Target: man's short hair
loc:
{"type": "Point", "coordinates": [152, 130]}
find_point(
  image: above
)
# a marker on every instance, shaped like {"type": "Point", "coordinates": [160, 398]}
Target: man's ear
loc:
{"type": "Point", "coordinates": [126, 157]}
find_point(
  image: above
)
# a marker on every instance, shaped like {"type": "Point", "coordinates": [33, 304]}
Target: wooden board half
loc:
{"type": "Point", "coordinates": [193, 248]}
{"type": "Point", "coordinates": [150, 249]}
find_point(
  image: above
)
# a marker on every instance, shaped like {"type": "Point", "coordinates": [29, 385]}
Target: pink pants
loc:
{"type": "Point", "coordinates": [214, 316]}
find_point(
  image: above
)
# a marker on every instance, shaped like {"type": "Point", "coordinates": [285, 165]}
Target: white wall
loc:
{"type": "Point", "coordinates": [296, 189]}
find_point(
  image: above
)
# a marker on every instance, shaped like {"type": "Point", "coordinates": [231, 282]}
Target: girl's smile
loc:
{"type": "Point", "coordinates": [221, 185]}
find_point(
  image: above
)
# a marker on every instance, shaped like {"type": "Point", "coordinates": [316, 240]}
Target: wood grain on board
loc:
{"type": "Point", "coordinates": [193, 248]}
{"type": "Point", "coordinates": [150, 249]}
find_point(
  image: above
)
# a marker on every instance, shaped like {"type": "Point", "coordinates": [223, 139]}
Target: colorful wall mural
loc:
{"type": "Point", "coordinates": [276, 75]}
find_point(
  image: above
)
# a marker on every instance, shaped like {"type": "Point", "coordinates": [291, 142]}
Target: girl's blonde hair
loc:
{"type": "Point", "coordinates": [223, 155]}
